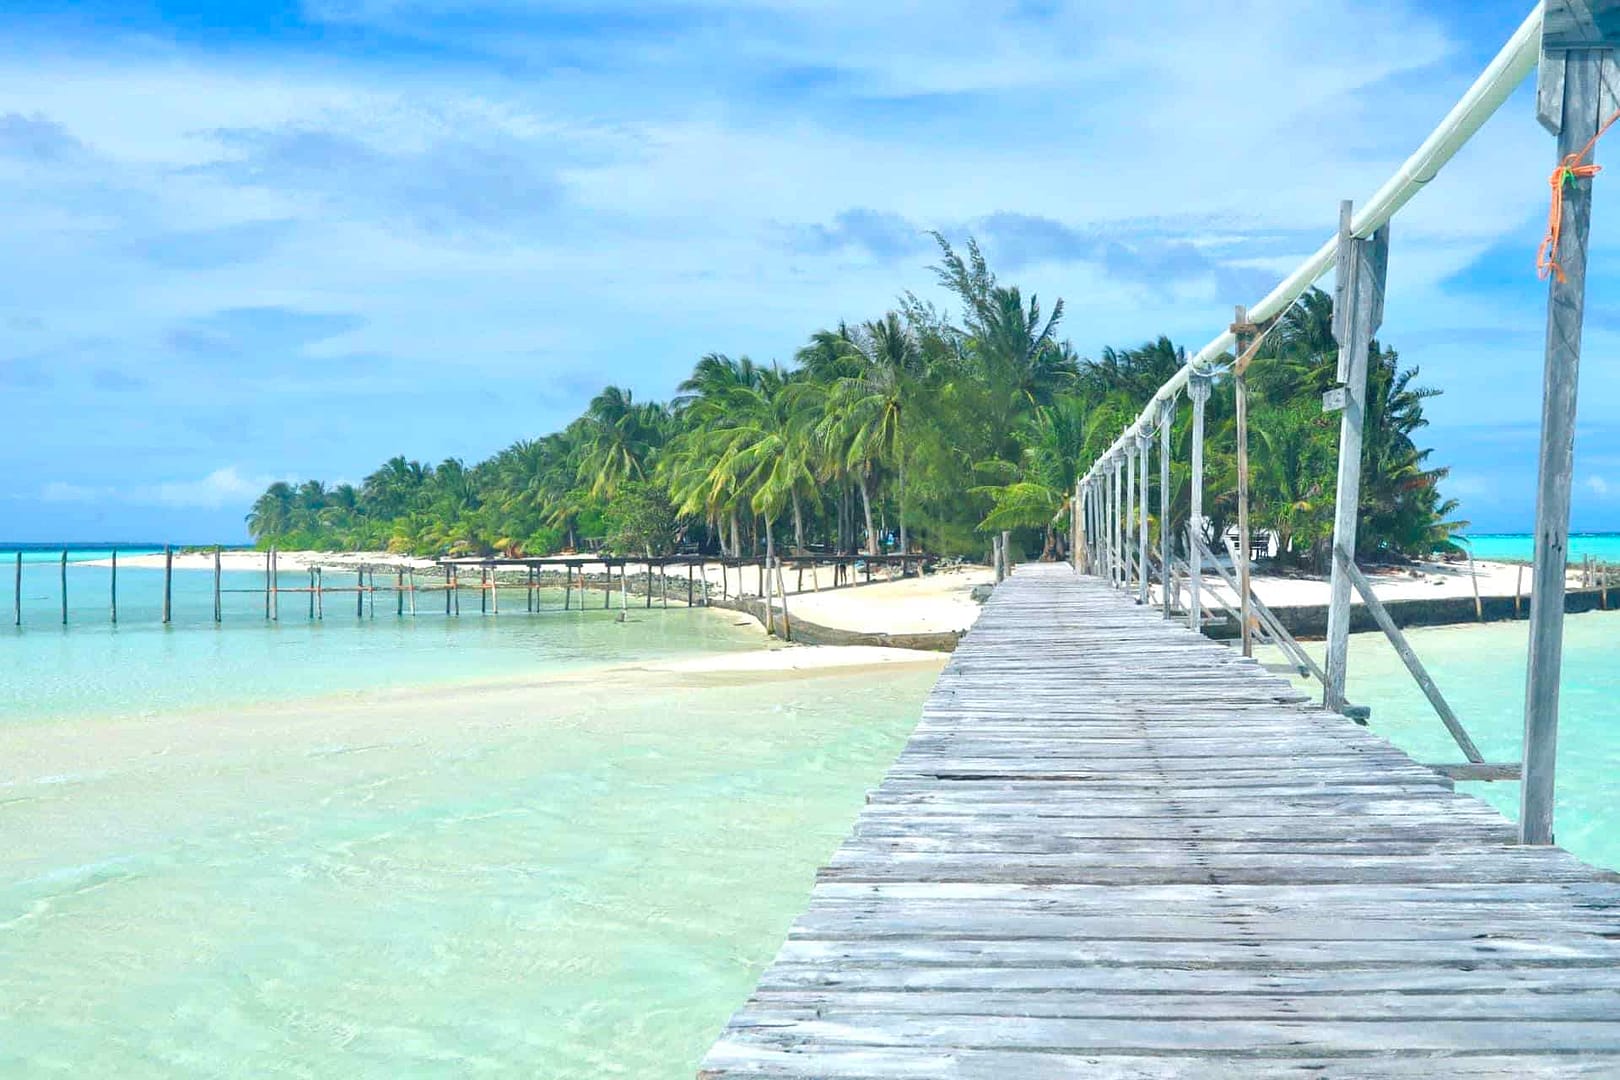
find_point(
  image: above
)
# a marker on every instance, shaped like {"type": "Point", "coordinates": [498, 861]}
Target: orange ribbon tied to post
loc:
{"type": "Point", "coordinates": [1574, 167]}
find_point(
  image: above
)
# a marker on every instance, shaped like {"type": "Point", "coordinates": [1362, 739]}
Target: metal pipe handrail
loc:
{"type": "Point", "coordinates": [1495, 84]}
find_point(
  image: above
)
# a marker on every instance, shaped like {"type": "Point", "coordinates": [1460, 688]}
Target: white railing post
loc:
{"type": "Point", "coordinates": [1129, 547]}
{"type": "Point", "coordinates": [1358, 311]}
{"type": "Point", "coordinates": [1571, 100]}
{"type": "Point", "coordinates": [1143, 442]}
{"type": "Point", "coordinates": [1198, 390]}
{"type": "Point", "coordinates": [1076, 529]}
{"type": "Point", "coordinates": [1167, 419]}
{"type": "Point", "coordinates": [1116, 529]}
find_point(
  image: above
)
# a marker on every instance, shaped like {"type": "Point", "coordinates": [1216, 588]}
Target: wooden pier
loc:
{"type": "Point", "coordinates": [1115, 848]}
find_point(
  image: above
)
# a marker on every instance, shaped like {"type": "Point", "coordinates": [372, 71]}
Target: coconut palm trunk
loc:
{"type": "Point", "coordinates": [866, 507]}
{"type": "Point", "coordinates": [798, 523]}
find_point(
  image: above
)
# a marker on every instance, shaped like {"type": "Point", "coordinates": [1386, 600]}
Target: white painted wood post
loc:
{"type": "Point", "coordinates": [1167, 420]}
{"type": "Point", "coordinates": [1143, 442]}
{"type": "Point", "coordinates": [1117, 525]}
{"type": "Point", "coordinates": [1240, 384]}
{"type": "Point", "coordinates": [1128, 549]}
{"type": "Point", "coordinates": [1198, 390]}
{"type": "Point", "coordinates": [1358, 311]}
{"type": "Point", "coordinates": [1076, 529]}
{"type": "Point", "coordinates": [1570, 102]}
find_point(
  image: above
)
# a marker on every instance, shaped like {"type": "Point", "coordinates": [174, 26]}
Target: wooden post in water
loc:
{"type": "Point", "coordinates": [64, 586]}
{"type": "Point", "coordinates": [781, 591]}
{"type": "Point", "coordinates": [168, 583]}
{"type": "Point", "coordinates": [399, 592]}
{"type": "Point", "coordinates": [219, 612]}
{"type": "Point", "coordinates": [1570, 102]}
{"type": "Point", "coordinates": [1518, 590]}
{"type": "Point", "coordinates": [311, 614]}
{"type": "Point", "coordinates": [649, 582]}
{"type": "Point", "coordinates": [360, 593]}
{"type": "Point", "coordinates": [1358, 311]}
{"type": "Point", "coordinates": [448, 587]}
{"type": "Point", "coordinates": [410, 584]}
{"type": "Point", "coordinates": [16, 595]}
{"type": "Point", "coordinates": [1473, 576]}
{"type": "Point", "coordinates": [624, 586]}
{"type": "Point", "coordinates": [483, 590]}
{"type": "Point", "coordinates": [114, 587]}
{"type": "Point", "coordinates": [1167, 420]}
{"type": "Point", "coordinates": [494, 592]}
{"type": "Point", "coordinates": [568, 587]}
{"type": "Point", "coordinates": [691, 582]}
{"type": "Point", "coordinates": [320, 594]}
{"type": "Point", "coordinates": [1198, 391]}
{"type": "Point", "coordinates": [275, 585]}
{"type": "Point", "coordinates": [267, 586]}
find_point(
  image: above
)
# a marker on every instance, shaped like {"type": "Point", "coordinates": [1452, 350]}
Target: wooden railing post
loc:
{"type": "Point", "coordinates": [1129, 546]}
{"type": "Point", "coordinates": [1143, 442]}
{"type": "Point", "coordinates": [1571, 100]}
{"type": "Point", "coordinates": [1358, 311]}
{"type": "Point", "coordinates": [1167, 420]}
{"type": "Point", "coordinates": [1244, 332]}
{"type": "Point", "coordinates": [1117, 528]}
{"type": "Point", "coordinates": [1198, 390]}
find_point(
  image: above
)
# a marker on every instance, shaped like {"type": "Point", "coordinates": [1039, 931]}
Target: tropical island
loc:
{"type": "Point", "coordinates": [921, 429]}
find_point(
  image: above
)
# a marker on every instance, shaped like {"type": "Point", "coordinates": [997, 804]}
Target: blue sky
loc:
{"type": "Point", "coordinates": [290, 238]}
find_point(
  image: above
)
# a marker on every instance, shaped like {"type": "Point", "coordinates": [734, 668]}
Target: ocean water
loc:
{"type": "Point", "coordinates": [1481, 672]}
{"type": "Point", "coordinates": [1604, 547]}
{"type": "Point", "coordinates": [393, 847]}
{"type": "Point", "coordinates": [139, 666]}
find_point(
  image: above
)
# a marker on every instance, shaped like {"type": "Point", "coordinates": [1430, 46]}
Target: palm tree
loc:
{"type": "Point", "coordinates": [864, 408]}
{"type": "Point", "coordinates": [618, 440]}
{"type": "Point", "coordinates": [271, 515]}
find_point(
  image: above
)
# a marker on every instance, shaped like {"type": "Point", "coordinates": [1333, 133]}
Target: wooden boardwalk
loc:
{"type": "Point", "coordinates": [1114, 848]}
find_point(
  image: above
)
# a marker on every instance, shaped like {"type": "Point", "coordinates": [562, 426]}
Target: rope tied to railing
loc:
{"type": "Point", "coordinates": [1574, 167]}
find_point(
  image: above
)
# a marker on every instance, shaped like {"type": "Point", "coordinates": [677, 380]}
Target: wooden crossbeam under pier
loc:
{"type": "Point", "coordinates": [1115, 848]}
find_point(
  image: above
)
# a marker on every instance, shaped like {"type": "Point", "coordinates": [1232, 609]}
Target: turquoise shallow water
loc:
{"type": "Point", "coordinates": [386, 848]}
{"type": "Point", "coordinates": [1481, 671]}
{"type": "Point", "coordinates": [1604, 547]}
{"type": "Point", "coordinates": [139, 666]}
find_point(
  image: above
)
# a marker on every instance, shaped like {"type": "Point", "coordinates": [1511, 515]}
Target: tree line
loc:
{"type": "Point", "coordinates": [916, 430]}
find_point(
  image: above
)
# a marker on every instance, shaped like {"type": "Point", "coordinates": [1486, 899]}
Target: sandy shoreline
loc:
{"type": "Point", "coordinates": [934, 604]}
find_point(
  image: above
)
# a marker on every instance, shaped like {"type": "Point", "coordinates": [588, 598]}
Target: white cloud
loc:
{"type": "Point", "coordinates": [224, 487]}
{"type": "Point", "coordinates": [1599, 486]}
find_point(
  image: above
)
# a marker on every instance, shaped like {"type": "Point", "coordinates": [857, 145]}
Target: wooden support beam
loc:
{"type": "Point", "coordinates": [16, 595]}
{"type": "Point", "coordinates": [114, 587]}
{"type": "Point", "coordinates": [1410, 659]}
{"type": "Point", "coordinates": [219, 614]}
{"type": "Point", "coordinates": [1509, 770]}
{"type": "Point", "coordinates": [1358, 311]}
{"type": "Point", "coordinates": [1572, 100]}
{"type": "Point", "coordinates": [64, 587]}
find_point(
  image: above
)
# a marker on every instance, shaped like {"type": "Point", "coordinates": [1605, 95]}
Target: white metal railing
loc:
{"type": "Point", "coordinates": [1579, 85]}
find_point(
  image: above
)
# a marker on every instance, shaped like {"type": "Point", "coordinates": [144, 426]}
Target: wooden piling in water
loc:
{"type": "Point", "coordinates": [568, 588]}
{"type": "Point", "coordinates": [218, 613]}
{"type": "Point", "coordinates": [320, 593]}
{"type": "Point", "coordinates": [64, 586]}
{"type": "Point", "coordinates": [410, 577]}
{"type": "Point", "coordinates": [16, 596]}
{"type": "Point", "coordinates": [360, 593]}
{"type": "Point", "coordinates": [1518, 589]}
{"type": "Point", "coordinates": [114, 587]}
{"type": "Point", "coordinates": [168, 583]}
{"type": "Point", "coordinates": [399, 593]}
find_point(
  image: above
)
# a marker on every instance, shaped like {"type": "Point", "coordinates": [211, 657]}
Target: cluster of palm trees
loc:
{"type": "Point", "coordinates": [912, 429]}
